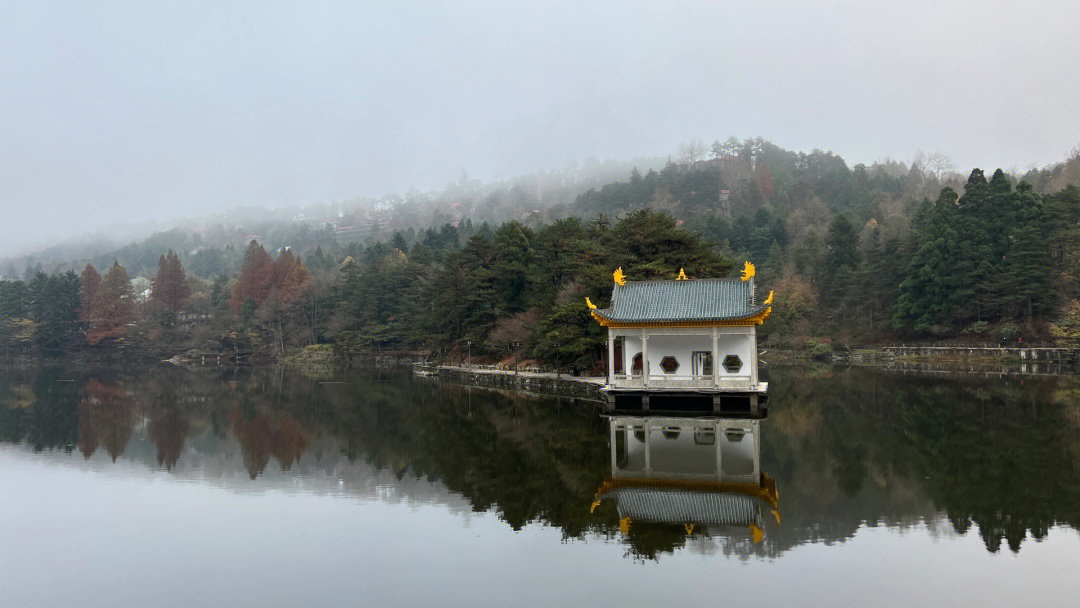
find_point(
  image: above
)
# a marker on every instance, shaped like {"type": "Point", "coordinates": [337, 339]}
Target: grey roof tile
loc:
{"type": "Point", "coordinates": [675, 301]}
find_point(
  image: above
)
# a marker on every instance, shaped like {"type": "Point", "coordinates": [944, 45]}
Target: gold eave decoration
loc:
{"type": "Point", "coordinates": [768, 300]}
{"type": "Point", "coordinates": [748, 271]}
{"type": "Point", "coordinates": [682, 275]}
{"type": "Point", "coordinates": [756, 534]}
{"type": "Point", "coordinates": [589, 303]}
{"type": "Point", "coordinates": [620, 278]}
{"type": "Point", "coordinates": [757, 319]}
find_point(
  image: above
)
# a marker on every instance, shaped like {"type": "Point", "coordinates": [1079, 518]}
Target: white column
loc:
{"type": "Point", "coordinates": [611, 357]}
{"type": "Point", "coordinates": [753, 355]}
{"type": "Point", "coordinates": [644, 358]}
{"type": "Point", "coordinates": [715, 360]}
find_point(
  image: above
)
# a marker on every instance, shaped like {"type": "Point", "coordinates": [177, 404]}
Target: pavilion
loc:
{"type": "Point", "coordinates": [684, 345]}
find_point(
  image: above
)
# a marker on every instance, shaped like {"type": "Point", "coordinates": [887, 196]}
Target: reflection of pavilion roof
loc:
{"type": "Point", "coordinates": [698, 502]}
{"type": "Point", "coordinates": [691, 502]}
{"type": "Point", "coordinates": [666, 506]}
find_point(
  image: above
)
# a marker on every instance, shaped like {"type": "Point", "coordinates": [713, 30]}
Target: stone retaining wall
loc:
{"type": "Point", "coordinates": [1042, 355]}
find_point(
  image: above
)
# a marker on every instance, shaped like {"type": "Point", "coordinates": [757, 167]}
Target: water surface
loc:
{"type": "Point", "coordinates": [165, 486]}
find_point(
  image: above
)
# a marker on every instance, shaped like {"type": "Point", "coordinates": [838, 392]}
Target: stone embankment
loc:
{"type": "Point", "coordinates": [983, 360]}
{"type": "Point", "coordinates": [578, 387]}
{"type": "Point", "coordinates": [1030, 355]}
{"type": "Point", "coordinates": [987, 360]}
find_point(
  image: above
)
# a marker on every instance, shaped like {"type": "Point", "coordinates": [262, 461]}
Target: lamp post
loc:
{"type": "Point", "coordinates": [515, 345]}
{"type": "Point", "coordinates": [468, 359]}
{"type": "Point", "coordinates": [556, 359]}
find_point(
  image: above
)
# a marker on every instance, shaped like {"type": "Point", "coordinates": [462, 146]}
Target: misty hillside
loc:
{"type": "Point", "coordinates": [749, 182]}
{"type": "Point", "coordinates": [212, 244]}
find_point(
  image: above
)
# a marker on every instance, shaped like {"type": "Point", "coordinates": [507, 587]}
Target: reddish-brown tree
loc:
{"type": "Point", "coordinates": [170, 288]}
{"type": "Point", "coordinates": [90, 283]}
{"type": "Point", "coordinates": [291, 276]}
{"type": "Point", "coordinates": [112, 306]}
{"type": "Point", "coordinates": [260, 275]}
{"type": "Point", "coordinates": [256, 276]}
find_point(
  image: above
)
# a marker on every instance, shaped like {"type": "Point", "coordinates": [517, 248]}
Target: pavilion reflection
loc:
{"type": "Point", "coordinates": [703, 474]}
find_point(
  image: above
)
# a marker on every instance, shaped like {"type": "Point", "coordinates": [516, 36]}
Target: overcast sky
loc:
{"type": "Point", "coordinates": [152, 110]}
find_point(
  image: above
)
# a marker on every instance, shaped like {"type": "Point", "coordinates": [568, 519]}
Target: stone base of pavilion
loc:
{"type": "Point", "coordinates": [750, 403]}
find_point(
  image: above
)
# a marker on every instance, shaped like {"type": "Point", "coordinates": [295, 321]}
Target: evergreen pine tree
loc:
{"type": "Point", "coordinates": [1024, 283]}
{"type": "Point", "coordinates": [929, 295]}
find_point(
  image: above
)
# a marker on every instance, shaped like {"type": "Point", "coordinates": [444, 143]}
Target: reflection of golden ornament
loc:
{"type": "Point", "coordinates": [624, 525]}
{"type": "Point", "coordinates": [620, 278]}
{"type": "Point", "coordinates": [748, 271]}
{"type": "Point", "coordinates": [689, 529]}
{"type": "Point", "coordinates": [589, 303]}
{"type": "Point", "coordinates": [682, 275]}
{"type": "Point", "coordinates": [757, 533]}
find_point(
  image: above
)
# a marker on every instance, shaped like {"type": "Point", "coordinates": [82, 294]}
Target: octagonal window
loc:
{"type": "Point", "coordinates": [669, 364]}
{"type": "Point", "coordinates": [732, 363]}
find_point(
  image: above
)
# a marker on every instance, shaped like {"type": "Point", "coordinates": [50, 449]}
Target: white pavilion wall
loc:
{"type": "Point", "coordinates": [682, 343]}
{"type": "Point", "coordinates": [680, 347]}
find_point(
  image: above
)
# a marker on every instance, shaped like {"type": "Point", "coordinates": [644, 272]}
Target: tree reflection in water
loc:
{"type": "Point", "coordinates": [260, 439]}
{"type": "Point", "coordinates": [168, 429]}
{"type": "Point", "coordinates": [110, 418]}
{"type": "Point", "coordinates": [844, 448]}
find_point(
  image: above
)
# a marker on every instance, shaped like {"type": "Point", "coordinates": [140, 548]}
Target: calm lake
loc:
{"type": "Point", "coordinates": [164, 486]}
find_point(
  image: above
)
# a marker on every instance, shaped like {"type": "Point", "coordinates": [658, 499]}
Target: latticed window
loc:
{"type": "Point", "coordinates": [669, 364]}
{"type": "Point", "coordinates": [732, 363]}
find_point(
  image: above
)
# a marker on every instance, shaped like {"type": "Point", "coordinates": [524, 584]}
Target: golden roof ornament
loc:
{"type": "Point", "coordinates": [682, 275]}
{"type": "Point", "coordinates": [620, 278]}
{"type": "Point", "coordinates": [589, 303]}
{"type": "Point", "coordinates": [748, 271]}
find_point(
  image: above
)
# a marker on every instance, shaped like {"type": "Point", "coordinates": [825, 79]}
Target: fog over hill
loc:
{"type": "Point", "coordinates": [144, 116]}
{"type": "Point", "coordinates": [719, 180]}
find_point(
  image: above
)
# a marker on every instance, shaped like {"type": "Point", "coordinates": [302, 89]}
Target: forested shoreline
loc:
{"type": "Point", "coordinates": [886, 253]}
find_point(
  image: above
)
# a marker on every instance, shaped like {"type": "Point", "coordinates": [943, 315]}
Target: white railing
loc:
{"type": "Point", "coordinates": [624, 381]}
{"type": "Point", "coordinates": [674, 381]}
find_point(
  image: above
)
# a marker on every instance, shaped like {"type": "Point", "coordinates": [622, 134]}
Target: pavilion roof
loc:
{"type": "Point", "coordinates": [698, 301]}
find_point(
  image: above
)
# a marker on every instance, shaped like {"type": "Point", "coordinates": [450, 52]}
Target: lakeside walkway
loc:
{"type": "Point", "coordinates": [545, 383]}
{"type": "Point", "coordinates": [1044, 354]}
{"type": "Point", "coordinates": [491, 369]}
